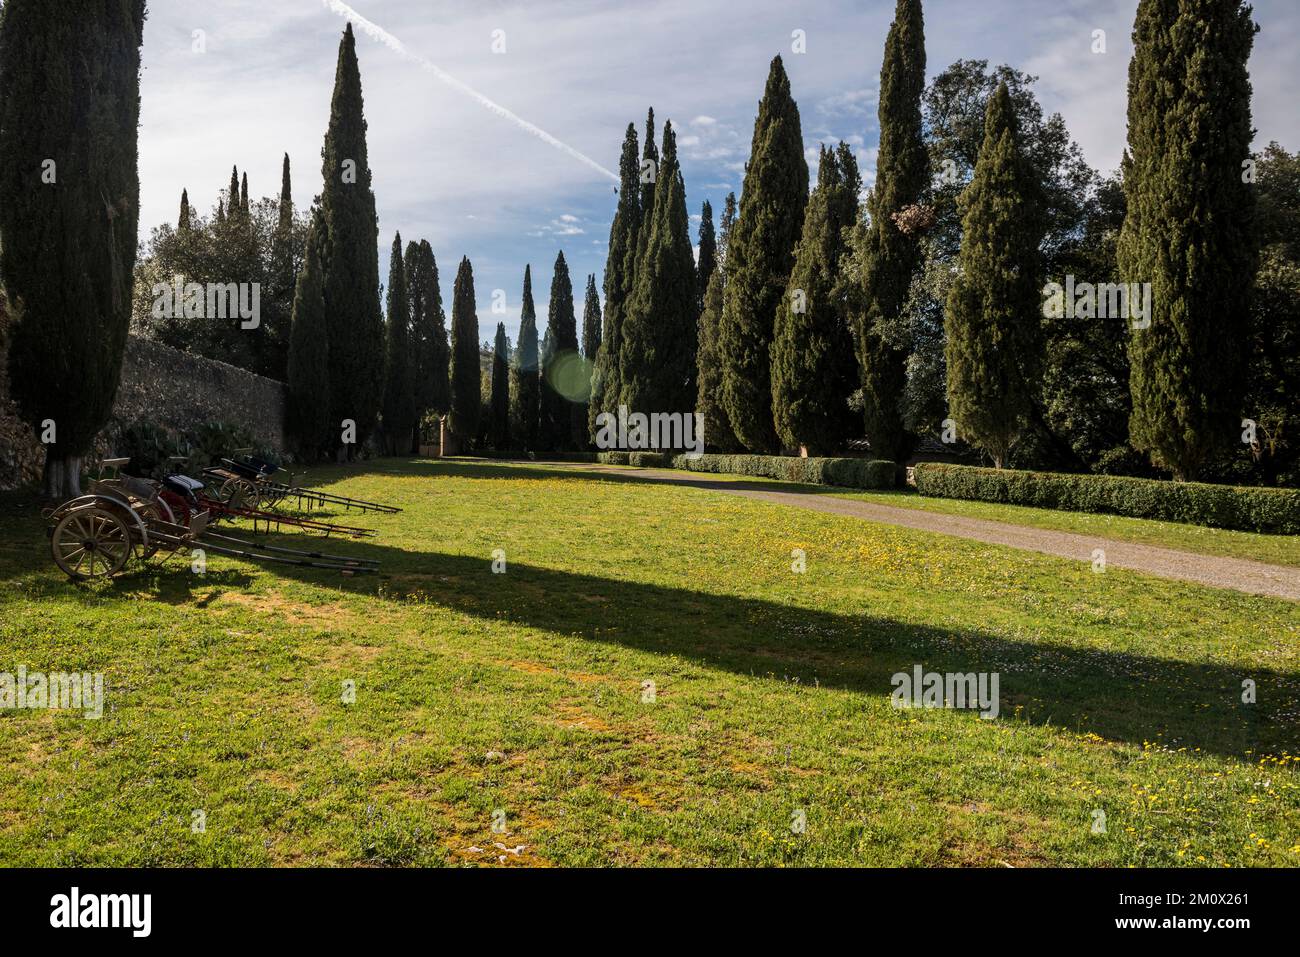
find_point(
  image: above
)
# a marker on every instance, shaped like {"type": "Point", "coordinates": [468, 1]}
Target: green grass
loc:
{"type": "Point", "coordinates": [1273, 549]}
{"type": "Point", "coordinates": [522, 692]}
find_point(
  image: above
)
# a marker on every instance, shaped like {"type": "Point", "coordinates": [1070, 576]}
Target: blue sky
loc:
{"type": "Point", "coordinates": [449, 168]}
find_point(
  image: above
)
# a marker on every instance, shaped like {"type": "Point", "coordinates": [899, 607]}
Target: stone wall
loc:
{"type": "Point", "coordinates": [179, 391]}
{"type": "Point", "coordinates": [168, 388]}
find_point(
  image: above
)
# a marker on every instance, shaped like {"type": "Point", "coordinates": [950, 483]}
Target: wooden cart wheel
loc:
{"type": "Point", "coordinates": [157, 510]}
{"type": "Point", "coordinates": [241, 488]}
{"type": "Point", "coordinates": [90, 543]}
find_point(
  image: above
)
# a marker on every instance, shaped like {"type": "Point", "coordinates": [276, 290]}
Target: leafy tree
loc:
{"type": "Point", "coordinates": [309, 420]}
{"type": "Point", "coordinates": [995, 303]}
{"type": "Point", "coordinates": [1187, 230]}
{"type": "Point", "coordinates": [501, 390]}
{"type": "Point", "coordinates": [759, 260]}
{"type": "Point", "coordinates": [620, 270]}
{"type": "Point", "coordinates": [350, 254]}
{"type": "Point", "coordinates": [891, 252]}
{"type": "Point", "coordinates": [526, 370]}
{"type": "Point", "coordinates": [657, 352]}
{"type": "Point", "coordinates": [399, 375]}
{"type": "Point", "coordinates": [708, 364]}
{"type": "Point", "coordinates": [563, 423]}
{"type": "Point", "coordinates": [813, 369]}
{"type": "Point", "coordinates": [69, 93]}
{"type": "Point", "coordinates": [464, 356]}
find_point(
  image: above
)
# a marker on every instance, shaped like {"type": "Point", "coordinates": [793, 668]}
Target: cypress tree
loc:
{"type": "Point", "coordinates": [591, 321]}
{"type": "Point", "coordinates": [186, 217]}
{"type": "Point", "coordinates": [891, 256]}
{"type": "Point", "coordinates": [221, 212]}
{"type": "Point", "coordinates": [547, 413]}
{"type": "Point", "coordinates": [465, 385]}
{"type": "Point", "coordinates": [428, 331]}
{"type": "Point", "coordinates": [233, 206]}
{"type": "Point", "coordinates": [501, 390]}
{"type": "Point", "coordinates": [759, 260]}
{"type": "Point", "coordinates": [994, 306]}
{"type": "Point", "coordinates": [649, 175]}
{"type": "Point", "coordinates": [243, 195]}
{"type": "Point", "coordinates": [527, 371]}
{"type": "Point", "coordinates": [717, 427]}
{"type": "Point", "coordinates": [563, 414]}
{"type": "Point", "coordinates": [657, 354]}
{"type": "Point", "coordinates": [399, 373]}
{"type": "Point", "coordinates": [283, 277]}
{"type": "Point", "coordinates": [350, 254]}
{"type": "Point", "coordinates": [309, 419]}
{"type": "Point", "coordinates": [620, 267]}
{"type": "Point", "coordinates": [813, 369]}
{"type": "Point", "coordinates": [708, 259]}
{"type": "Point", "coordinates": [1187, 230]}
{"type": "Point", "coordinates": [69, 92]}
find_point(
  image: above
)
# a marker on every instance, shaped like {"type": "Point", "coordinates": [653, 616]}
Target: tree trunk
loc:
{"type": "Point", "coordinates": [72, 476]}
{"type": "Point", "coordinates": [53, 478]}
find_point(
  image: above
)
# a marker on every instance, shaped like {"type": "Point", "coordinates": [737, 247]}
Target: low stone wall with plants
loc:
{"type": "Point", "coordinates": [168, 392]}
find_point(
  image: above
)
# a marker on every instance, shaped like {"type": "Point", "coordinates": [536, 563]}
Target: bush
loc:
{"type": "Point", "coordinates": [650, 460]}
{"type": "Point", "coordinates": [614, 458]}
{"type": "Point", "coordinates": [1218, 506]}
{"type": "Point", "coordinates": [537, 456]}
{"type": "Point", "coordinates": [850, 473]}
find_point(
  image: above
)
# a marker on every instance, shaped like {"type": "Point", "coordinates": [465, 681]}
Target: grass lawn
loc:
{"type": "Point", "coordinates": [1274, 549]}
{"type": "Point", "coordinates": [520, 700]}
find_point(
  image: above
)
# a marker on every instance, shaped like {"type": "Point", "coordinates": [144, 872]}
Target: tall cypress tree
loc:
{"type": "Point", "coordinates": [243, 195]}
{"type": "Point", "coordinates": [649, 175]}
{"type": "Point", "coordinates": [428, 331]}
{"type": "Point", "coordinates": [813, 369]}
{"type": "Point", "coordinates": [620, 268]}
{"type": "Point", "coordinates": [309, 420]}
{"type": "Point", "coordinates": [708, 260]}
{"type": "Point", "coordinates": [994, 307]}
{"type": "Point", "coordinates": [283, 277]}
{"type": "Point", "coordinates": [527, 370]}
{"type": "Point", "coordinates": [233, 206]}
{"type": "Point", "coordinates": [891, 256]}
{"type": "Point", "coordinates": [501, 390]}
{"type": "Point", "coordinates": [563, 415]}
{"type": "Point", "coordinates": [708, 364]}
{"type": "Point", "coordinates": [186, 216]}
{"type": "Point", "coordinates": [657, 354]}
{"type": "Point", "coordinates": [1187, 230]}
{"type": "Point", "coordinates": [69, 93]}
{"type": "Point", "coordinates": [465, 386]}
{"type": "Point", "coordinates": [759, 260]}
{"type": "Point", "coordinates": [591, 321]}
{"type": "Point", "coordinates": [350, 254]}
{"type": "Point", "coordinates": [399, 374]}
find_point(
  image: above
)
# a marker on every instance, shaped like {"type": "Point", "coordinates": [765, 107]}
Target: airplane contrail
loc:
{"type": "Point", "coordinates": [376, 32]}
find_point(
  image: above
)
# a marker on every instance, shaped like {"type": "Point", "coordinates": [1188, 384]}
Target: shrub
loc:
{"type": "Point", "coordinates": [1218, 506]}
{"type": "Point", "coordinates": [613, 458]}
{"type": "Point", "coordinates": [536, 456]}
{"type": "Point", "coordinates": [851, 473]}
{"type": "Point", "coordinates": [650, 460]}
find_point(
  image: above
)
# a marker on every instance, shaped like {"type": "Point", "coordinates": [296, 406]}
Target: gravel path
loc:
{"type": "Point", "coordinates": [1238, 574]}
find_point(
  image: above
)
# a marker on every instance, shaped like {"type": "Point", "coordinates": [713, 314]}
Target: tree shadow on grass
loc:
{"type": "Point", "coordinates": [1116, 695]}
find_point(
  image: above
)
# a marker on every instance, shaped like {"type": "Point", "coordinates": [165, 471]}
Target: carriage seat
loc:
{"type": "Point", "coordinates": [183, 484]}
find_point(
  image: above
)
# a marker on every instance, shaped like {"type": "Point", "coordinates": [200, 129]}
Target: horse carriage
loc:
{"type": "Point", "coordinates": [124, 518]}
{"type": "Point", "coordinates": [253, 479]}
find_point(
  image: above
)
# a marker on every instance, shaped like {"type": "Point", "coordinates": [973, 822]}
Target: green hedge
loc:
{"type": "Point", "coordinates": [851, 473]}
{"type": "Point", "coordinates": [1218, 506]}
{"type": "Point", "coordinates": [536, 456]}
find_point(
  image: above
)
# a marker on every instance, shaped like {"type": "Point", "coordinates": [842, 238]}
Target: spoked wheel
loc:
{"type": "Point", "coordinates": [240, 492]}
{"type": "Point", "coordinates": [90, 543]}
{"type": "Point", "coordinates": [157, 510]}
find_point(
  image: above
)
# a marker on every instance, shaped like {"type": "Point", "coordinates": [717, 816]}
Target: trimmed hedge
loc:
{"type": "Point", "coordinates": [1274, 510]}
{"type": "Point", "coordinates": [851, 473]}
